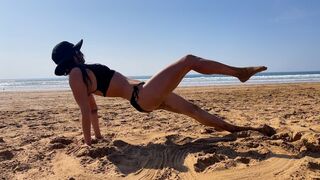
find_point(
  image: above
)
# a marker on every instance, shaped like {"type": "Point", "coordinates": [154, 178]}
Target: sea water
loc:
{"type": "Point", "coordinates": [43, 84]}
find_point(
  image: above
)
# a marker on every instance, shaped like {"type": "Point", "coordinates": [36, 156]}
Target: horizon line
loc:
{"type": "Point", "coordinates": [135, 76]}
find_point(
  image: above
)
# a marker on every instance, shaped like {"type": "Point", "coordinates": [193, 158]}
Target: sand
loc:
{"type": "Point", "coordinates": [41, 136]}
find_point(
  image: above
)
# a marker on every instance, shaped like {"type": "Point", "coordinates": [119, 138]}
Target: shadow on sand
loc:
{"type": "Point", "coordinates": [172, 151]}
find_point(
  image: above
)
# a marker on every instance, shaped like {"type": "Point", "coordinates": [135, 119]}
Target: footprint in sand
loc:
{"type": "Point", "coordinates": [311, 142]}
{"type": "Point", "coordinates": [288, 136]}
{"type": "Point", "coordinates": [242, 160]}
{"type": "Point", "coordinates": [313, 165]}
{"type": "Point", "coordinates": [59, 143]}
{"type": "Point", "coordinates": [206, 161]}
{"type": "Point", "coordinates": [5, 155]}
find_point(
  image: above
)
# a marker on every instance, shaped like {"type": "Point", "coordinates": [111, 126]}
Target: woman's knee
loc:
{"type": "Point", "coordinates": [189, 60]}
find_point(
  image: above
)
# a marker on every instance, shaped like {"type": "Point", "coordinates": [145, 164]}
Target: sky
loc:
{"type": "Point", "coordinates": [140, 37]}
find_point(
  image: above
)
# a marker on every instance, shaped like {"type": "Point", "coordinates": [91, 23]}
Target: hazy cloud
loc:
{"type": "Point", "coordinates": [292, 15]}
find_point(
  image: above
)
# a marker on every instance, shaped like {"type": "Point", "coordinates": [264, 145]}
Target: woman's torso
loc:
{"type": "Point", "coordinates": [103, 76]}
{"type": "Point", "coordinates": [107, 82]}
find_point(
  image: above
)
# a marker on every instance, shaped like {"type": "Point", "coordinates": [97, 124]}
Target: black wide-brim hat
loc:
{"type": "Point", "coordinates": [62, 53]}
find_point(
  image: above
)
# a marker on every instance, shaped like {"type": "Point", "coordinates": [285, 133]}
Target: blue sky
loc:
{"type": "Point", "coordinates": [143, 36]}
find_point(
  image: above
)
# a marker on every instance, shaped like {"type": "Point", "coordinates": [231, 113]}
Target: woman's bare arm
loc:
{"type": "Point", "coordinates": [94, 116]}
{"type": "Point", "coordinates": [80, 93]}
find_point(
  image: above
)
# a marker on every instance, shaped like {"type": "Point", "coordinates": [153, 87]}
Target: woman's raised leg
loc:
{"type": "Point", "coordinates": [160, 85]}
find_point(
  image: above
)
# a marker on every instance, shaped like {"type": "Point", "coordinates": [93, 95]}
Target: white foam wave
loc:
{"type": "Point", "coordinates": [198, 80]}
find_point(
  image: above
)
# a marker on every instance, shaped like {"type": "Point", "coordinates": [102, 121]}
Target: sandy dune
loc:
{"type": "Point", "coordinates": [41, 137]}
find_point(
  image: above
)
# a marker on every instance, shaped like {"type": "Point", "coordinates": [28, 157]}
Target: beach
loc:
{"type": "Point", "coordinates": [41, 136]}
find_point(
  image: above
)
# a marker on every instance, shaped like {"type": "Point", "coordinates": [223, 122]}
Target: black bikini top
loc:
{"type": "Point", "coordinates": [103, 76]}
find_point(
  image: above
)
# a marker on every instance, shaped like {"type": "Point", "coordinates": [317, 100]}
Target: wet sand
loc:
{"type": "Point", "coordinates": [41, 136]}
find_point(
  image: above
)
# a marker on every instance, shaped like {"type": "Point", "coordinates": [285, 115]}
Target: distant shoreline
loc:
{"type": "Point", "coordinates": [192, 80]}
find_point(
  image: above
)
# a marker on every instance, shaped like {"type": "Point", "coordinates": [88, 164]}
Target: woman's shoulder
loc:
{"type": "Point", "coordinates": [76, 71]}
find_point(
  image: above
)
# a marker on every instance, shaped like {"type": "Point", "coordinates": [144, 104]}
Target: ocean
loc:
{"type": "Point", "coordinates": [45, 84]}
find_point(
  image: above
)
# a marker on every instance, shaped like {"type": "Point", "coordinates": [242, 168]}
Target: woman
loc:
{"type": "Point", "coordinates": [86, 80]}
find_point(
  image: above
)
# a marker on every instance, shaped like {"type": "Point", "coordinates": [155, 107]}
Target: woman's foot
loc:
{"type": "Point", "coordinates": [245, 73]}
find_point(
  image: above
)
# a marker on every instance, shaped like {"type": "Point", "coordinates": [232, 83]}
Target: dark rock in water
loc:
{"type": "Point", "coordinates": [6, 155]}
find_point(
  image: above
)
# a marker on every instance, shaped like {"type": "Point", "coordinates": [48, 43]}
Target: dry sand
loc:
{"type": "Point", "coordinates": [40, 137]}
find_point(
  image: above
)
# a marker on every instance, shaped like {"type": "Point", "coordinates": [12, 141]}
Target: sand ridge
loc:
{"type": "Point", "coordinates": [41, 138]}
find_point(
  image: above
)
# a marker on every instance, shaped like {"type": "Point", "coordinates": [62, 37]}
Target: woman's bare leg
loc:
{"type": "Point", "coordinates": [177, 104]}
{"type": "Point", "coordinates": [163, 83]}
